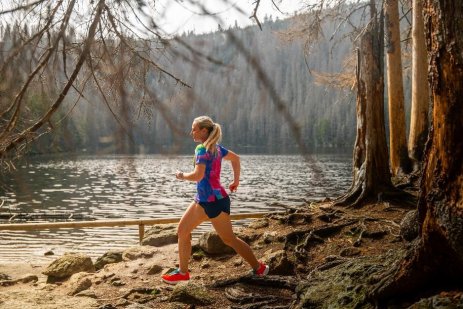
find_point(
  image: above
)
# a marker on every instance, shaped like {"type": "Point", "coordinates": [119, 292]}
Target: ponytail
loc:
{"type": "Point", "coordinates": [215, 132]}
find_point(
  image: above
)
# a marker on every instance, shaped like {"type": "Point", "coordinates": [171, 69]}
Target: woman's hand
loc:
{"type": "Point", "coordinates": [179, 175]}
{"type": "Point", "coordinates": [234, 186]}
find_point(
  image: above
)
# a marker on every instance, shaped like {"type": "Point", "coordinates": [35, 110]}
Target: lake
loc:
{"type": "Point", "coordinates": [132, 187]}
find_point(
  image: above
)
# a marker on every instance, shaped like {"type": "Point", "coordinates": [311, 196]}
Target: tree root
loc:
{"type": "Point", "coordinates": [260, 305]}
{"type": "Point", "coordinates": [357, 196]}
{"type": "Point", "coordinates": [419, 272]}
{"type": "Point", "coordinates": [289, 283]}
{"type": "Point", "coordinates": [315, 234]}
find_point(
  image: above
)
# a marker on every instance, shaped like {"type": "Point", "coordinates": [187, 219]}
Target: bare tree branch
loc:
{"type": "Point", "coordinates": [254, 13]}
{"type": "Point", "coordinates": [22, 7]}
{"type": "Point", "coordinates": [86, 49]}
{"type": "Point", "coordinates": [18, 100]}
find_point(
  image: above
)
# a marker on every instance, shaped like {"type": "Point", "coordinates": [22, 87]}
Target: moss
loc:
{"type": "Point", "coordinates": [346, 285]}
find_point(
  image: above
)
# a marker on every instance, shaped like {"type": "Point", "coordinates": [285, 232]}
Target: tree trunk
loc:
{"type": "Point", "coordinates": [371, 175]}
{"type": "Point", "coordinates": [437, 259]}
{"type": "Point", "coordinates": [420, 89]}
{"type": "Point", "coordinates": [400, 163]}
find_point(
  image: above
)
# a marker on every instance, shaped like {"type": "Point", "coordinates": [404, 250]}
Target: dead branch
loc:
{"type": "Point", "coordinates": [86, 50]}
{"type": "Point", "coordinates": [18, 100]}
{"type": "Point", "coordinates": [254, 14]}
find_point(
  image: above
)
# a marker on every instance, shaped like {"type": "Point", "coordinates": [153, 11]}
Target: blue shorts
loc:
{"type": "Point", "coordinates": [213, 209]}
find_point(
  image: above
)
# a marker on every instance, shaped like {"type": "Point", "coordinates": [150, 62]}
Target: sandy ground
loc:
{"type": "Point", "coordinates": [41, 295]}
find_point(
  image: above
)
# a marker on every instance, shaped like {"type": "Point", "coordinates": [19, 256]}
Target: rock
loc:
{"type": "Point", "coordinates": [279, 263]}
{"type": "Point", "coordinates": [69, 264]}
{"type": "Point", "coordinates": [139, 252]}
{"type": "Point", "coordinates": [28, 278]}
{"type": "Point", "coordinates": [409, 225]}
{"type": "Point", "coordinates": [78, 283]}
{"type": "Point", "coordinates": [108, 258]}
{"type": "Point", "coordinates": [259, 224]}
{"type": "Point", "coordinates": [269, 237]}
{"type": "Point", "coordinates": [345, 285]}
{"type": "Point", "coordinates": [87, 293]}
{"type": "Point", "coordinates": [211, 243]}
{"type": "Point", "coordinates": [25, 279]}
{"type": "Point", "coordinates": [4, 277]}
{"type": "Point", "coordinates": [248, 235]}
{"type": "Point", "coordinates": [117, 283]}
{"type": "Point", "coordinates": [49, 252]}
{"type": "Point", "coordinates": [191, 293]}
{"type": "Point", "coordinates": [160, 235]}
{"type": "Point", "coordinates": [154, 269]}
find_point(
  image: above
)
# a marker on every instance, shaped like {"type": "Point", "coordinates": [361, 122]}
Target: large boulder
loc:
{"type": "Point", "coordinates": [160, 235]}
{"type": "Point", "coordinates": [69, 264]}
{"type": "Point", "coordinates": [108, 258]}
{"type": "Point", "coordinates": [211, 243]}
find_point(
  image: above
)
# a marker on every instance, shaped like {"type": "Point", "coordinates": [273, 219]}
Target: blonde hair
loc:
{"type": "Point", "coordinates": [214, 129]}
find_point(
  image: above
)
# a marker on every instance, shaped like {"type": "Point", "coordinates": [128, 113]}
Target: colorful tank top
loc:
{"type": "Point", "coordinates": [209, 188]}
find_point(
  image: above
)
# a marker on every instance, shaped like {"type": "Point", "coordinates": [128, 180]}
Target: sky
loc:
{"type": "Point", "coordinates": [184, 15]}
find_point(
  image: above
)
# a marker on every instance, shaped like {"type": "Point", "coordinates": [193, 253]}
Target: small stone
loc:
{"type": "Point", "coordinates": [49, 252]}
{"type": "Point", "coordinates": [154, 269]}
{"type": "Point", "coordinates": [87, 293]}
{"type": "Point", "coordinates": [78, 283]}
{"type": "Point", "coordinates": [27, 279]}
{"type": "Point", "coordinates": [109, 257]}
{"type": "Point", "coordinates": [117, 283]}
{"type": "Point", "coordinates": [238, 262]}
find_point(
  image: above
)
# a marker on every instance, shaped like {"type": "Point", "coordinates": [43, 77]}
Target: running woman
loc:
{"type": "Point", "coordinates": [211, 200]}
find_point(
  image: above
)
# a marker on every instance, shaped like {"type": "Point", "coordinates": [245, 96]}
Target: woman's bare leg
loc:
{"type": "Point", "coordinates": [192, 217]}
{"type": "Point", "coordinates": [223, 226]}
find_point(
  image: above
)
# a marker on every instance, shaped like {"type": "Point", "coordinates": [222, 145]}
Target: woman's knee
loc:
{"type": "Point", "coordinates": [183, 232]}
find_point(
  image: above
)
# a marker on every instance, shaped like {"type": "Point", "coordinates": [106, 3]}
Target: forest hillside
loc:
{"type": "Point", "coordinates": [225, 88]}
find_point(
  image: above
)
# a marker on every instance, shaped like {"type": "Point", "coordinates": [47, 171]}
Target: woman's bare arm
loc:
{"type": "Point", "coordinates": [196, 175]}
{"type": "Point", "coordinates": [236, 166]}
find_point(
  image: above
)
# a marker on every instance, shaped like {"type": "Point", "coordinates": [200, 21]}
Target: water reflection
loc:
{"type": "Point", "coordinates": [144, 187]}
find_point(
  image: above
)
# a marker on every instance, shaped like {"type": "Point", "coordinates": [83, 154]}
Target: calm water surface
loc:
{"type": "Point", "coordinates": [132, 187]}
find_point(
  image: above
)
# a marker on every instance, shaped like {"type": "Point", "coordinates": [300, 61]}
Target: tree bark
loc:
{"type": "Point", "coordinates": [419, 122]}
{"type": "Point", "coordinates": [371, 175]}
{"type": "Point", "coordinates": [437, 259]}
{"type": "Point", "coordinates": [400, 163]}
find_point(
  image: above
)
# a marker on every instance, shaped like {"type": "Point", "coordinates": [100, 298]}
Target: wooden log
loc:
{"type": "Point", "coordinates": [108, 223]}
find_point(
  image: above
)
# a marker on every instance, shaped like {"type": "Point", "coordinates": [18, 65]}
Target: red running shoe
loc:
{"type": "Point", "coordinates": [262, 270]}
{"type": "Point", "coordinates": [175, 276]}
